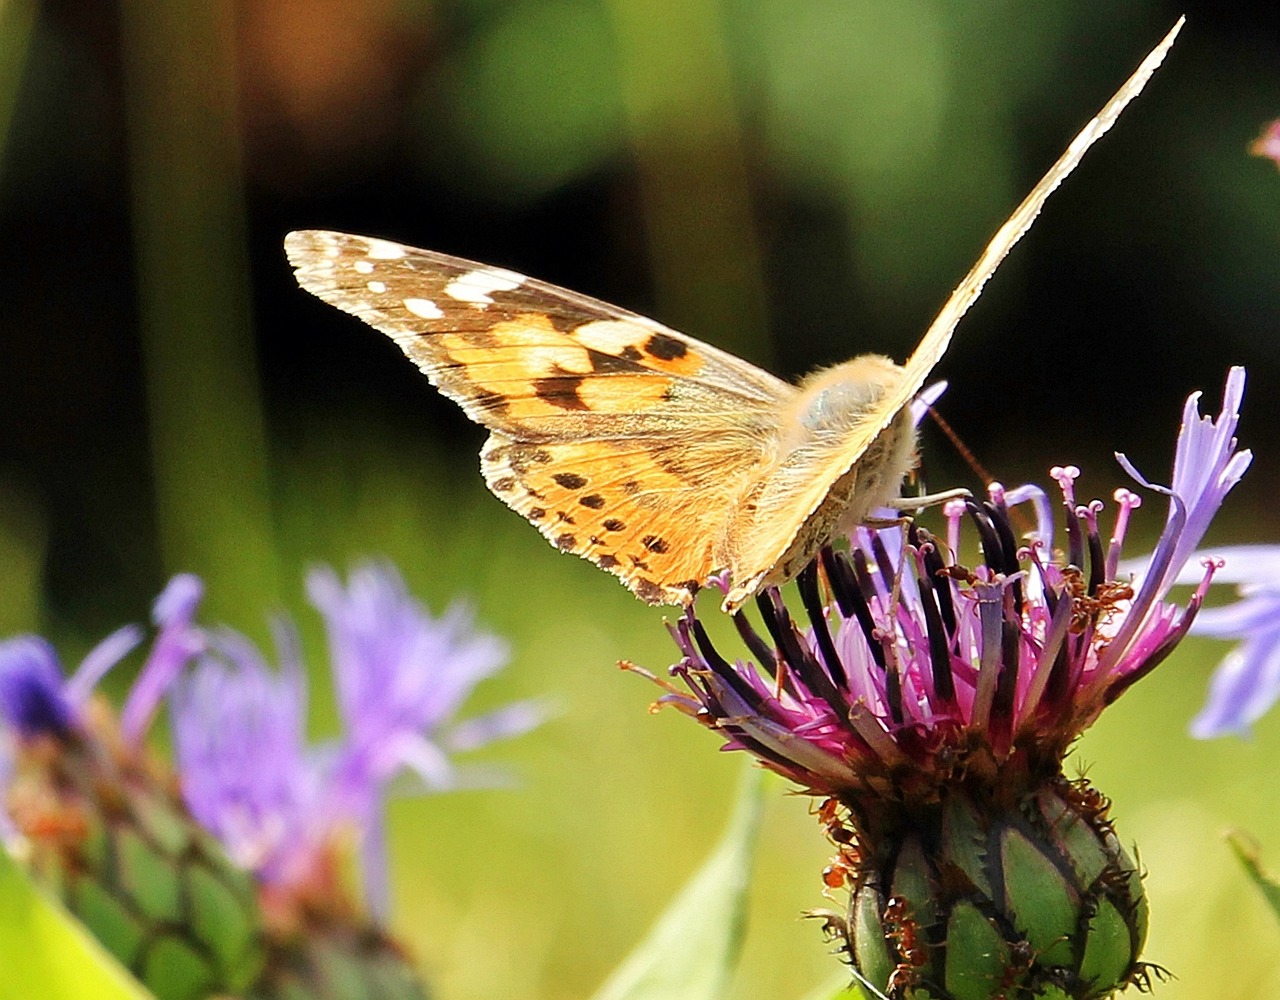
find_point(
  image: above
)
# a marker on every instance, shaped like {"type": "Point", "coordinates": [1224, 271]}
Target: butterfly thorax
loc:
{"type": "Point", "coordinates": [842, 454]}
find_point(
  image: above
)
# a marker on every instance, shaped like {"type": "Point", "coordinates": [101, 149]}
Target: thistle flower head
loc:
{"type": "Point", "coordinates": [914, 668]}
{"type": "Point", "coordinates": [261, 903]}
{"type": "Point", "coordinates": [932, 704]}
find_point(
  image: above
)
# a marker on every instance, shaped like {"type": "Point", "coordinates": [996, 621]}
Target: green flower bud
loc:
{"type": "Point", "coordinates": [975, 899]}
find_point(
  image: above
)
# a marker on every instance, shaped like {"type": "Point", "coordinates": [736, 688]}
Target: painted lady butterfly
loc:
{"type": "Point", "coordinates": [660, 458]}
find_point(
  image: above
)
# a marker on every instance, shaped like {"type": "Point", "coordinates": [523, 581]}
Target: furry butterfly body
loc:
{"type": "Point", "coordinates": [658, 457]}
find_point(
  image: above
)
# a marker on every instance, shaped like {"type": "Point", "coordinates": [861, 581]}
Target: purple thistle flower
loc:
{"type": "Point", "coordinates": [912, 653]}
{"type": "Point", "coordinates": [401, 676]}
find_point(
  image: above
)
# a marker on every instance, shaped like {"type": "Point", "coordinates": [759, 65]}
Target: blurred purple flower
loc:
{"type": "Point", "coordinates": [1268, 143]}
{"type": "Point", "coordinates": [401, 676]}
{"type": "Point", "coordinates": [930, 664]}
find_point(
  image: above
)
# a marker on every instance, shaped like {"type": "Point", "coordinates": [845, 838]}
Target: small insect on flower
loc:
{"type": "Point", "coordinates": [657, 457]}
{"type": "Point", "coordinates": [931, 706]}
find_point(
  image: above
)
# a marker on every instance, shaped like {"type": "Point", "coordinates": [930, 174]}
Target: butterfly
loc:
{"type": "Point", "coordinates": [659, 458]}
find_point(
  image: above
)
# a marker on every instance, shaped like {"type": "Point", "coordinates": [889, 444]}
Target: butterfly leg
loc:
{"type": "Point", "coordinates": [928, 500]}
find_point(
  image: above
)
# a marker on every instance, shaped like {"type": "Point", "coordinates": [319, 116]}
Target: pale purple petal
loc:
{"type": "Point", "coordinates": [100, 660]}
{"type": "Point", "coordinates": [178, 640]}
{"type": "Point", "coordinates": [503, 723]}
{"type": "Point", "coordinates": [1240, 564]}
{"type": "Point", "coordinates": [925, 398]}
{"type": "Point", "coordinates": [1244, 687]}
{"type": "Point", "coordinates": [239, 738]}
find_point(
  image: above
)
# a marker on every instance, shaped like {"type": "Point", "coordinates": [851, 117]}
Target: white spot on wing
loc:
{"type": "Point", "coordinates": [384, 250]}
{"type": "Point", "coordinates": [476, 286]}
{"type": "Point", "coordinates": [424, 308]}
{"type": "Point", "coordinates": [611, 336]}
{"type": "Point", "coordinates": [377, 286]}
{"type": "Point", "coordinates": [363, 266]}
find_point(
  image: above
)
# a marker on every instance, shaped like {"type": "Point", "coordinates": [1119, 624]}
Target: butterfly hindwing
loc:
{"type": "Point", "coordinates": [648, 511]}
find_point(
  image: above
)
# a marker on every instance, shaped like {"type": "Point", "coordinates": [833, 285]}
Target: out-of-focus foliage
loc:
{"type": "Point", "coordinates": [691, 951]}
{"type": "Point", "coordinates": [47, 952]}
{"type": "Point", "coordinates": [1247, 852]}
{"type": "Point", "coordinates": [796, 182]}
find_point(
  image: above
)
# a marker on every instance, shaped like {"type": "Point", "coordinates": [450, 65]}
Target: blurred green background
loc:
{"type": "Point", "coordinates": [795, 181]}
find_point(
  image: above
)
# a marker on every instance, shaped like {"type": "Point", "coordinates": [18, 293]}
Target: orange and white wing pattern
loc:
{"type": "Point", "coordinates": [622, 440]}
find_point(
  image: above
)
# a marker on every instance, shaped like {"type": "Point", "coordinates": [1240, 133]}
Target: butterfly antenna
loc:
{"type": "Point", "coordinates": [963, 449]}
{"type": "Point", "coordinates": [971, 460]}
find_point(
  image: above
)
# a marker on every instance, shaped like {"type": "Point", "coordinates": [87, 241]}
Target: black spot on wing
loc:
{"type": "Point", "coordinates": [607, 561]}
{"type": "Point", "coordinates": [560, 390]}
{"type": "Point", "coordinates": [665, 348]}
{"type": "Point", "coordinates": [654, 543]}
{"type": "Point", "coordinates": [605, 364]}
{"type": "Point", "coordinates": [570, 480]}
{"type": "Point", "coordinates": [566, 541]}
{"type": "Point", "coordinates": [613, 524]}
{"type": "Point", "coordinates": [593, 500]}
{"type": "Point", "coordinates": [492, 401]}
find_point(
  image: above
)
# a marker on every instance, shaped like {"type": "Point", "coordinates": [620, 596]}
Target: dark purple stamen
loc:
{"type": "Point", "coordinates": [883, 563]}
{"type": "Point", "coordinates": [934, 569]}
{"type": "Point", "coordinates": [1075, 538]}
{"type": "Point", "coordinates": [988, 538]}
{"type": "Point", "coordinates": [797, 654]}
{"type": "Point", "coordinates": [1097, 558]}
{"type": "Point", "coordinates": [722, 667]}
{"type": "Point", "coordinates": [761, 650]}
{"type": "Point", "coordinates": [999, 515]}
{"type": "Point", "coordinates": [807, 583]}
{"type": "Point", "coordinates": [1010, 650]}
{"type": "Point", "coordinates": [939, 638]}
{"type": "Point", "coordinates": [850, 598]}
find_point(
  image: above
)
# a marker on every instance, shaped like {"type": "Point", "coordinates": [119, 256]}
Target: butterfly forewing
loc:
{"type": "Point", "coordinates": [515, 351]}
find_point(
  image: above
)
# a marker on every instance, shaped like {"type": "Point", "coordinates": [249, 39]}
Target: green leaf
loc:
{"type": "Point", "coordinates": [691, 950]}
{"type": "Point", "coordinates": [44, 951]}
{"type": "Point", "coordinates": [1247, 851]}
